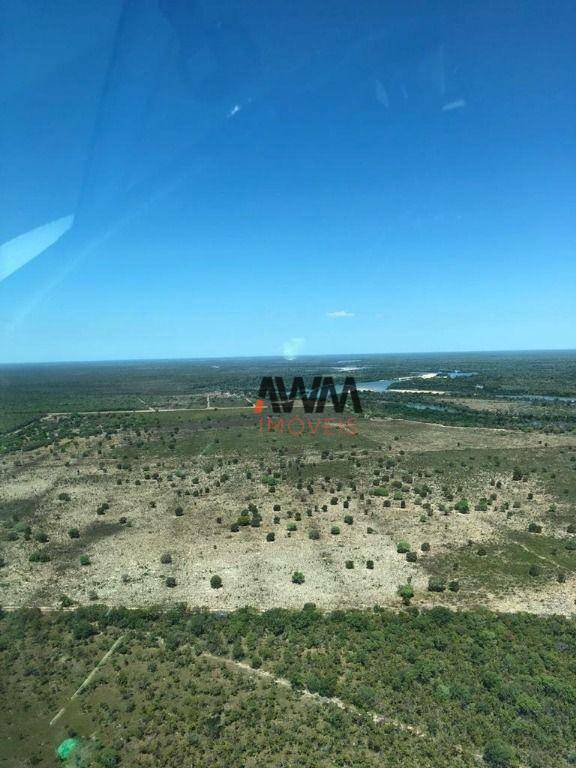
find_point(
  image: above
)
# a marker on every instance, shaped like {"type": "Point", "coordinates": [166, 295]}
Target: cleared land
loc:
{"type": "Point", "coordinates": [92, 518]}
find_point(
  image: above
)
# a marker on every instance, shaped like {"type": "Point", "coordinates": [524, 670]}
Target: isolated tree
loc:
{"type": "Point", "coordinates": [436, 584]}
{"type": "Point", "coordinates": [534, 528]}
{"type": "Point", "coordinates": [406, 592]}
{"type": "Point", "coordinates": [216, 582]}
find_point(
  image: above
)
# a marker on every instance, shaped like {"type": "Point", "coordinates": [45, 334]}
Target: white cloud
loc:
{"type": "Point", "coordinates": [459, 104]}
{"type": "Point", "coordinates": [340, 313]}
{"type": "Point", "coordinates": [235, 109]}
{"type": "Point", "coordinates": [292, 347]}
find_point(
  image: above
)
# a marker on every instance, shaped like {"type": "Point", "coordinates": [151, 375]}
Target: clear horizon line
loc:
{"type": "Point", "coordinates": [119, 360]}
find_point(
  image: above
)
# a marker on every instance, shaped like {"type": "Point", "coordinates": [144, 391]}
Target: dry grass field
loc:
{"type": "Point", "coordinates": [92, 518]}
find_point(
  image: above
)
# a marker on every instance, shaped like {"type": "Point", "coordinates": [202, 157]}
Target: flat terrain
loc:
{"type": "Point", "coordinates": [181, 585]}
{"type": "Point", "coordinates": [92, 518]}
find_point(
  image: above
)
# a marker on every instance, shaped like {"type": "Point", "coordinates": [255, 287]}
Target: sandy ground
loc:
{"type": "Point", "coordinates": [125, 564]}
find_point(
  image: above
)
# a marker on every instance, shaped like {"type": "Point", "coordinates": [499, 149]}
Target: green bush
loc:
{"type": "Point", "coordinates": [498, 754]}
{"type": "Point", "coordinates": [402, 547]}
{"type": "Point", "coordinates": [462, 506]}
{"type": "Point", "coordinates": [298, 577]}
{"type": "Point", "coordinates": [535, 528]}
{"type": "Point", "coordinates": [39, 557]}
{"type": "Point", "coordinates": [406, 592]}
{"type": "Point", "coordinates": [436, 584]}
{"type": "Point", "coordinates": [216, 582]}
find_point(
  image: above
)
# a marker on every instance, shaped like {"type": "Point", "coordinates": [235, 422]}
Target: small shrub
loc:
{"type": "Point", "coordinates": [39, 557]}
{"type": "Point", "coordinates": [402, 547]}
{"type": "Point", "coordinates": [166, 558]}
{"type": "Point", "coordinates": [348, 519]}
{"type": "Point", "coordinates": [498, 754]}
{"type": "Point", "coordinates": [370, 565]}
{"type": "Point", "coordinates": [425, 546]}
{"type": "Point", "coordinates": [534, 528]}
{"type": "Point", "coordinates": [406, 592]}
{"type": "Point", "coordinates": [349, 564]}
{"type": "Point", "coordinates": [74, 533]}
{"type": "Point", "coordinates": [411, 557]}
{"type": "Point", "coordinates": [270, 536]}
{"type": "Point", "coordinates": [335, 531]}
{"type": "Point", "coordinates": [84, 560]}
{"type": "Point", "coordinates": [462, 506]}
{"type": "Point", "coordinates": [216, 582]}
{"type": "Point", "coordinates": [298, 577]}
{"type": "Point", "coordinates": [436, 584]}
{"type": "Point", "coordinates": [170, 581]}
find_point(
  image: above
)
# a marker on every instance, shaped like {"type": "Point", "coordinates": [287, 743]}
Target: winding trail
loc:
{"type": "Point", "coordinates": [306, 694]}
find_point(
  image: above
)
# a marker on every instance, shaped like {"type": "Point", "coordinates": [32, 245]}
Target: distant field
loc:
{"type": "Point", "coordinates": [177, 483]}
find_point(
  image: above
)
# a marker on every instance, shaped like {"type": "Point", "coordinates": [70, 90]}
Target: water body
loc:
{"type": "Point", "coordinates": [382, 385]}
{"type": "Point", "coordinates": [376, 386]}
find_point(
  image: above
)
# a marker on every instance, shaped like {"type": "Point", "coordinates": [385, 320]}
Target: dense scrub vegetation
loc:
{"type": "Point", "coordinates": [469, 684]}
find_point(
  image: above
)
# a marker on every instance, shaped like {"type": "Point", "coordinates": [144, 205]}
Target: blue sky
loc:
{"type": "Point", "coordinates": [207, 179]}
